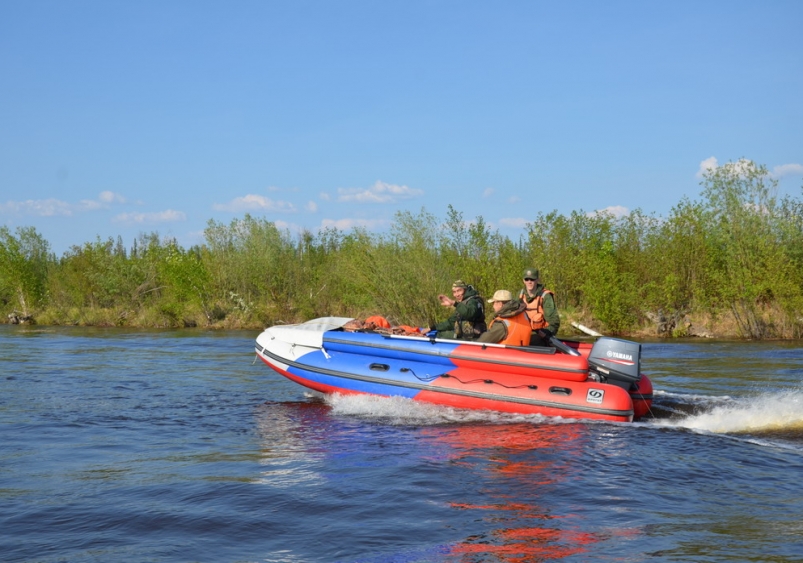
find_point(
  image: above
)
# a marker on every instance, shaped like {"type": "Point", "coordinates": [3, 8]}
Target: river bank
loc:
{"type": "Point", "coordinates": [728, 266]}
{"type": "Point", "coordinates": [701, 325]}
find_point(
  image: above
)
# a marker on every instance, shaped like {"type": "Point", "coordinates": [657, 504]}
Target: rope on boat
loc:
{"type": "Point", "coordinates": [649, 409]}
{"type": "Point", "coordinates": [491, 382]}
{"type": "Point", "coordinates": [424, 379]}
{"type": "Point", "coordinates": [487, 381]}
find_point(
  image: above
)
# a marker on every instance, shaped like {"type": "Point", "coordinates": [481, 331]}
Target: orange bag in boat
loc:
{"type": "Point", "coordinates": [378, 322]}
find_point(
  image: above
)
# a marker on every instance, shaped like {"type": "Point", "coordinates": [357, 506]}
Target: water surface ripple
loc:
{"type": "Point", "coordinates": [174, 446]}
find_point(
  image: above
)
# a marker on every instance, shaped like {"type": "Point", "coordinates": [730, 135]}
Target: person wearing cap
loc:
{"type": "Point", "coordinates": [468, 320]}
{"type": "Point", "coordinates": [510, 325]}
{"type": "Point", "coordinates": [541, 308]}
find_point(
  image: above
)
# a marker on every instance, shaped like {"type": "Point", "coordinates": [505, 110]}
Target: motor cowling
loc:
{"type": "Point", "coordinates": [615, 360]}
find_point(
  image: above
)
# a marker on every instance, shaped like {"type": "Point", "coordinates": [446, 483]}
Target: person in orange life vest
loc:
{"type": "Point", "coordinates": [509, 325]}
{"type": "Point", "coordinates": [541, 308]}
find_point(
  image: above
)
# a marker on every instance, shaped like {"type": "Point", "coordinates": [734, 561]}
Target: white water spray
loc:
{"type": "Point", "coordinates": [401, 411]}
{"type": "Point", "coordinates": [761, 413]}
{"type": "Point", "coordinates": [765, 413]}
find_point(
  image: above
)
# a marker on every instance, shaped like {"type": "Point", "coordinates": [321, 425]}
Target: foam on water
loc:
{"type": "Point", "coordinates": [403, 411]}
{"type": "Point", "coordinates": [767, 415]}
{"type": "Point", "coordinates": [661, 394]}
{"type": "Point", "coordinates": [764, 413]}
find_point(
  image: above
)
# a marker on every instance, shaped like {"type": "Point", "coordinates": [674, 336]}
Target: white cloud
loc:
{"type": "Point", "coordinates": [42, 207]}
{"type": "Point", "coordinates": [488, 192]}
{"type": "Point", "coordinates": [617, 211]}
{"type": "Point", "coordinates": [325, 196]}
{"type": "Point", "coordinates": [709, 163]}
{"type": "Point", "coordinates": [380, 192]}
{"type": "Point", "coordinates": [513, 222]}
{"type": "Point", "coordinates": [348, 224]}
{"type": "Point", "coordinates": [292, 227]}
{"type": "Point", "coordinates": [255, 202]}
{"type": "Point", "coordinates": [514, 199]}
{"type": "Point", "coordinates": [89, 205]}
{"type": "Point", "coordinates": [168, 216]}
{"type": "Point", "coordinates": [787, 170]}
{"type": "Point", "coordinates": [311, 206]}
{"type": "Point", "coordinates": [110, 197]}
{"type": "Point", "coordinates": [52, 207]}
{"type": "Point", "coordinates": [740, 167]}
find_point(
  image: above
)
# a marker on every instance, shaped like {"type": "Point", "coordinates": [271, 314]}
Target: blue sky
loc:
{"type": "Point", "coordinates": [122, 118]}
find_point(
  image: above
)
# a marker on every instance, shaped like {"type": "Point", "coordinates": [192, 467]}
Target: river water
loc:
{"type": "Point", "coordinates": [175, 446]}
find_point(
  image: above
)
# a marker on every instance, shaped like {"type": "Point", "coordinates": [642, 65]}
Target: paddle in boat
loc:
{"type": "Point", "coordinates": [578, 380]}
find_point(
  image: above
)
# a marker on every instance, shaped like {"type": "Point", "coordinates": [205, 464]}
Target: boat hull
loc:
{"type": "Point", "coordinates": [447, 372]}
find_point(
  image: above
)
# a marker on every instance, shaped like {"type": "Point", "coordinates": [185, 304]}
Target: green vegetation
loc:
{"type": "Point", "coordinates": [733, 258]}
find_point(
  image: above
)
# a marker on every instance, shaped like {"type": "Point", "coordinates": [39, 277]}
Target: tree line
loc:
{"type": "Point", "coordinates": [734, 255]}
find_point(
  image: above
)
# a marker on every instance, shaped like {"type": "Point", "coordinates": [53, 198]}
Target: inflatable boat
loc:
{"type": "Point", "coordinates": [578, 380]}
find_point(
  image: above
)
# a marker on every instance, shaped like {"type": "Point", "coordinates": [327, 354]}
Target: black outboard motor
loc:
{"type": "Point", "coordinates": [616, 361]}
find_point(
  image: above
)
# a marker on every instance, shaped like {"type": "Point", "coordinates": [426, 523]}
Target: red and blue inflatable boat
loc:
{"type": "Point", "coordinates": [575, 380]}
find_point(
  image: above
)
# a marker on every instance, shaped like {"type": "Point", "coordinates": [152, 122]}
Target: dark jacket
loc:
{"type": "Point", "coordinates": [468, 319]}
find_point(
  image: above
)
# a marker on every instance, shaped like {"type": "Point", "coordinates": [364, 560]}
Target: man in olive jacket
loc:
{"type": "Point", "coordinates": [541, 308]}
{"type": "Point", "coordinates": [468, 320]}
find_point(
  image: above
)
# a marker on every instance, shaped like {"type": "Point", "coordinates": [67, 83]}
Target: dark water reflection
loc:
{"type": "Point", "coordinates": [175, 446]}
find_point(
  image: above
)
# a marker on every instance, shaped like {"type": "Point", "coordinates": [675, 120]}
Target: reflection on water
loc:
{"type": "Point", "coordinates": [515, 457]}
{"type": "Point", "coordinates": [523, 464]}
{"type": "Point", "coordinates": [162, 446]}
{"type": "Point", "coordinates": [288, 434]}
{"type": "Point", "coordinates": [516, 530]}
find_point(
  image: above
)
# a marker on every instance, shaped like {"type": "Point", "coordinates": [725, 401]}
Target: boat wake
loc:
{"type": "Point", "coordinates": [777, 415]}
{"type": "Point", "coordinates": [401, 411]}
{"type": "Point", "coordinates": [768, 416]}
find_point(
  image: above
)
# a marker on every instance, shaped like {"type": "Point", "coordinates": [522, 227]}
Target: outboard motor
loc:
{"type": "Point", "coordinates": [616, 361]}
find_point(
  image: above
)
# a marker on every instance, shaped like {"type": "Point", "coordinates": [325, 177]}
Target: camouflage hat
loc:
{"type": "Point", "coordinates": [530, 273]}
{"type": "Point", "coordinates": [459, 283]}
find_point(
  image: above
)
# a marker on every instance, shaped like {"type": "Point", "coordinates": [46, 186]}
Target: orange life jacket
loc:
{"type": "Point", "coordinates": [518, 330]}
{"type": "Point", "coordinates": [535, 309]}
{"type": "Point", "coordinates": [378, 321]}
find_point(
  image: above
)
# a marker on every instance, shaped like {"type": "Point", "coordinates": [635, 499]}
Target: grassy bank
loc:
{"type": "Point", "coordinates": [728, 265]}
{"type": "Point", "coordinates": [691, 325]}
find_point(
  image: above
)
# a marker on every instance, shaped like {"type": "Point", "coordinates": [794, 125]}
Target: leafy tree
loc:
{"type": "Point", "coordinates": [739, 250]}
{"type": "Point", "coordinates": [252, 262]}
{"type": "Point", "coordinates": [24, 260]}
{"type": "Point", "coordinates": [679, 256]}
{"type": "Point", "coordinates": [754, 270]}
{"type": "Point", "coordinates": [97, 274]}
{"type": "Point", "coordinates": [556, 245]}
